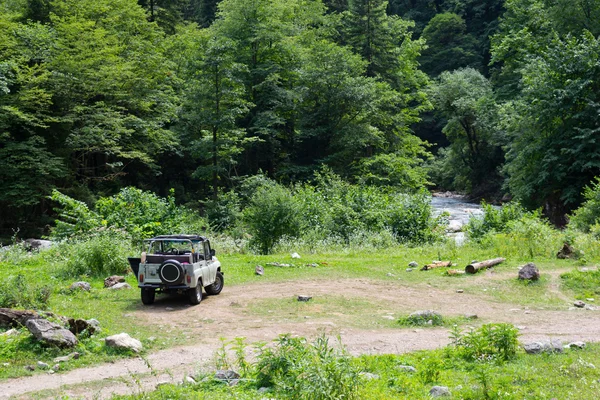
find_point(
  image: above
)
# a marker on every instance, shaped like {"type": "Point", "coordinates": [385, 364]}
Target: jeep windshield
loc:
{"type": "Point", "coordinates": [172, 246]}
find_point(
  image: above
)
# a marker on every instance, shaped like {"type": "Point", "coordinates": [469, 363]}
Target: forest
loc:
{"type": "Point", "coordinates": [196, 99]}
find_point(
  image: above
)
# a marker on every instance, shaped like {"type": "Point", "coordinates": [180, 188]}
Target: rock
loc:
{"type": "Point", "coordinates": [124, 341]}
{"type": "Point", "coordinates": [259, 270]}
{"type": "Point", "coordinates": [369, 376]}
{"type": "Point", "coordinates": [454, 226]}
{"type": "Point", "coordinates": [6, 364]}
{"type": "Point", "coordinates": [544, 346]}
{"type": "Point", "coordinates": [295, 255]}
{"type": "Point", "coordinates": [169, 309]}
{"type": "Point", "coordinates": [471, 316]}
{"type": "Point", "coordinates": [50, 372]}
{"type": "Point", "coordinates": [263, 389]}
{"type": "Point", "coordinates": [51, 333]}
{"type": "Point", "coordinates": [37, 244]}
{"type": "Point", "coordinates": [579, 304]}
{"type": "Point", "coordinates": [576, 345]}
{"type": "Point", "coordinates": [119, 286]}
{"type": "Point", "coordinates": [42, 365]}
{"type": "Point", "coordinates": [425, 315]}
{"type": "Point", "coordinates": [30, 367]}
{"type": "Point", "coordinates": [590, 299]}
{"type": "Point", "coordinates": [407, 368]}
{"type": "Point", "coordinates": [413, 264]}
{"type": "Point", "coordinates": [529, 272]}
{"type": "Point", "coordinates": [460, 291]}
{"type": "Point", "coordinates": [56, 367]}
{"type": "Point", "coordinates": [9, 332]}
{"type": "Point", "coordinates": [409, 269]}
{"type": "Point", "coordinates": [566, 252]}
{"type": "Point", "coordinates": [73, 356]}
{"type": "Point", "coordinates": [439, 391]}
{"type": "Point", "coordinates": [113, 280]}
{"type": "Point", "coordinates": [389, 274]}
{"type": "Point", "coordinates": [589, 307]}
{"type": "Point", "coordinates": [226, 375]}
{"type": "Point", "coordinates": [190, 380]}
{"type": "Point", "coordinates": [77, 326]}
{"type": "Point", "coordinates": [304, 298]}
{"type": "Point", "coordinates": [81, 285]}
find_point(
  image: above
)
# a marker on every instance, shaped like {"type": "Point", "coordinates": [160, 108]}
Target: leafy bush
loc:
{"type": "Point", "coordinates": [587, 217]}
{"type": "Point", "coordinates": [141, 214]}
{"type": "Point", "coordinates": [17, 292]}
{"type": "Point", "coordinates": [495, 219]}
{"type": "Point", "coordinates": [104, 253]}
{"type": "Point", "coordinates": [272, 214]}
{"type": "Point", "coordinates": [225, 212]}
{"type": "Point", "coordinates": [489, 342]}
{"type": "Point", "coordinates": [300, 370]}
{"type": "Point", "coordinates": [419, 319]}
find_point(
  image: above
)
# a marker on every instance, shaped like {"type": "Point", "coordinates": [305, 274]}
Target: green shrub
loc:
{"type": "Point", "coordinates": [587, 217]}
{"type": "Point", "coordinates": [495, 220]}
{"type": "Point", "coordinates": [17, 292]}
{"type": "Point", "coordinates": [74, 217]}
{"type": "Point", "coordinates": [100, 255]}
{"type": "Point", "coordinates": [490, 342]}
{"type": "Point", "coordinates": [225, 212]}
{"type": "Point", "coordinates": [272, 214]}
{"type": "Point", "coordinates": [297, 369]}
{"type": "Point", "coordinates": [423, 318]}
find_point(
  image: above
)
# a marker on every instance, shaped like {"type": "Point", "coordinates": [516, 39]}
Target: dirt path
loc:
{"type": "Point", "coordinates": [361, 314]}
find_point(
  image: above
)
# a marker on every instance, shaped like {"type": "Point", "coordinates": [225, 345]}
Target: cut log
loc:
{"type": "Point", "coordinates": [10, 318]}
{"type": "Point", "coordinates": [473, 268]}
{"type": "Point", "coordinates": [455, 272]}
{"type": "Point", "coordinates": [437, 264]}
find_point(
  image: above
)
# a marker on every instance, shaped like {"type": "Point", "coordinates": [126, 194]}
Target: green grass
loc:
{"type": "Point", "coordinates": [117, 311]}
{"type": "Point", "coordinates": [584, 284]}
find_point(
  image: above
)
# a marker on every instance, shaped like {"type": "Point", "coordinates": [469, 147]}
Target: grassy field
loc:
{"type": "Point", "coordinates": [568, 375]}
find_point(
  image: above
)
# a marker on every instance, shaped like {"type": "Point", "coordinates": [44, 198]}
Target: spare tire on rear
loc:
{"type": "Point", "coordinates": [171, 272]}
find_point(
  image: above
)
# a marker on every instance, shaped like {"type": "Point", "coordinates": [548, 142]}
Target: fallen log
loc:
{"type": "Point", "coordinates": [437, 264]}
{"type": "Point", "coordinates": [474, 267]}
{"type": "Point", "coordinates": [10, 318]}
{"type": "Point", "coordinates": [455, 272]}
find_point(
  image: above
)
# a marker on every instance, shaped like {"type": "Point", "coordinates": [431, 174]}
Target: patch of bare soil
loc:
{"type": "Point", "coordinates": [228, 316]}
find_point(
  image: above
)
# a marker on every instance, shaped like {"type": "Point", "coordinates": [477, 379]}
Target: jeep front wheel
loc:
{"type": "Point", "coordinates": [195, 294]}
{"type": "Point", "coordinates": [148, 296]}
{"type": "Point", "coordinates": [216, 287]}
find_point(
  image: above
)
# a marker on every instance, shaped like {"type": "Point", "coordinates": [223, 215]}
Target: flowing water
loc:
{"type": "Point", "coordinates": [460, 211]}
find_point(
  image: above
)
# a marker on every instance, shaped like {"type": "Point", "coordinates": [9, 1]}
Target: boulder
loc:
{"type": "Point", "coordinates": [113, 280]}
{"type": "Point", "coordinates": [81, 286]}
{"type": "Point", "coordinates": [304, 298]}
{"type": "Point", "coordinates": [259, 270]}
{"type": "Point", "coordinates": [454, 226]}
{"type": "Point", "coordinates": [79, 325]}
{"type": "Point", "coordinates": [579, 304]}
{"type": "Point", "coordinates": [566, 252]}
{"type": "Point", "coordinates": [119, 286]}
{"type": "Point", "coordinates": [529, 272]}
{"type": "Point", "coordinates": [413, 264]}
{"type": "Point", "coordinates": [226, 375]}
{"type": "Point", "coordinates": [439, 391]}
{"type": "Point", "coordinates": [544, 346]}
{"type": "Point", "coordinates": [10, 318]}
{"type": "Point", "coordinates": [295, 255]}
{"type": "Point", "coordinates": [124, 341]}
{"type": "Point", "coordinates": [51, 333]}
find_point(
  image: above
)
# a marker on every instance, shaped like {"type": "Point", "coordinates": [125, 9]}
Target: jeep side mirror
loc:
{"type": "Point", "coordinates": [212, 253]}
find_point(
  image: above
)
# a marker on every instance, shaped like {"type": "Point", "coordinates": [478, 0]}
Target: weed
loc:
{"type": "Point", "coordinates": [490, 342]}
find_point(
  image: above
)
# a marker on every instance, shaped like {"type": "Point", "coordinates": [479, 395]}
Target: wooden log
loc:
{"type": "Point", "coordinates": [437, 264]}
{"type": "Point", "coordinates": [473, 268]}
{"type": "Point", "coordinates": [10, 318]}
{"type": "Point", "coordinates": [455, 272]}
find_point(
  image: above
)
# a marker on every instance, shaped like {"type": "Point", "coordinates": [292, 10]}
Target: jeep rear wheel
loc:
{"type": "Point", "coordinates": [148, 296]}
{"type": "Point", "coordinates": [195, 294]}
{"type": "Point", "coordinates": [217, 286]}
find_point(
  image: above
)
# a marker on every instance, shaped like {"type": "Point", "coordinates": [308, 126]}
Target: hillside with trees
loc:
{"type": "Point", "coordinates": [490, 98]}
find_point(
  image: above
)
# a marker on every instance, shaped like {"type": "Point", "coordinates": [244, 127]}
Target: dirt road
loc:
{"type": "Point", "coordinates": [362, 314]}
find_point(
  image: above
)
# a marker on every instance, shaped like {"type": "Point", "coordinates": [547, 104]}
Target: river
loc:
{"type": "Point", "coordinates": [460, 211]}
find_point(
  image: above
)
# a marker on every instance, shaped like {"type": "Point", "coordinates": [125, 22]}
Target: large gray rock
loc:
{"type": "Point", "coordinates": [529, 272]}
{"type": "Point", "coordinates": [124, 341]}
{"type": "Point", "coordinates": [113, 280]}
{"type": "Point", "coordinates": [81, 286]}
{"type": "Point", "coordinates": [51, 333]}
{"type": "Point", "coordinates": [544, 346]}
{"type": "Point", "coordinates": [439, 391]}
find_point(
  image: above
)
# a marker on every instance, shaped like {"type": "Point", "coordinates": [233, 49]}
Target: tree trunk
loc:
{"type": "Point", "coordinates": [473, 268]}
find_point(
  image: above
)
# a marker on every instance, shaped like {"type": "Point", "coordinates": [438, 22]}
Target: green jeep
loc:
{"type": "Point", "coordinates": [181, 264]}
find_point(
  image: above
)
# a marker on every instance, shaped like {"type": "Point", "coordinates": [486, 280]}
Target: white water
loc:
{"type": "Point", "coordinates": [460, 212]}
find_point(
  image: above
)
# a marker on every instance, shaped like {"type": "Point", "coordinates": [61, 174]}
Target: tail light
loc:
{"type": "Point", "coordinates": [188, 279]}
{"type": "Point", "coordinates": [141, 278]}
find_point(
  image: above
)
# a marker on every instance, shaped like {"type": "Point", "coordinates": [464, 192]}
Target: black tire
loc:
{"type": "Point", "coordinates": [195, 294]}
{"type": "Point", "coordinates": [216, 287]}
{"type": "Point", "coordinates": [148, 296]}
{"type": "Point", "coordinates": [171, 272]}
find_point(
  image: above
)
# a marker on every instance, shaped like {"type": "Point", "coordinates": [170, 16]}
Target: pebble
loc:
{"type": "Point", "coordinates": [304, 298]}
{"type": "Point", "coordinates": [409, 269]}
{"type": "Point", "coordinates": [413, 264]}
{"type": "Point", "coordinates": [170, 309]}
{"type": "Point", "coordinates": [460, 291]}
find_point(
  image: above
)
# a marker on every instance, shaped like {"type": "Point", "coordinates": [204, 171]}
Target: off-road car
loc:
{"type": "Point", "coordinates": [181, 264]}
